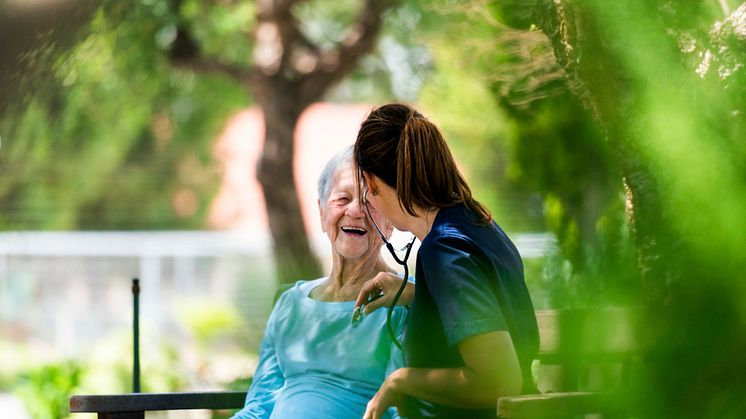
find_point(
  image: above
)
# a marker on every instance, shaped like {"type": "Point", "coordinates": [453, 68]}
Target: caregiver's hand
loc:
{"type": "Point", "coordinates": [386, 396]}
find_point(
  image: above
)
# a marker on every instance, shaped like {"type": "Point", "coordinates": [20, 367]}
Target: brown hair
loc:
{"type": "Point", "coordinates": [408, 152]}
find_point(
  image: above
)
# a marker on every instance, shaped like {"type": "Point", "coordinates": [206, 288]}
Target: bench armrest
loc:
{"type": "Point", "coordinates": [552, 405]}
{"type": "Point", "coordinates": [141, 402]}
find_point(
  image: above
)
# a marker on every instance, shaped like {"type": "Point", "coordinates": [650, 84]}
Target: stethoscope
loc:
{"type": "Point", "coordinates": [358, 314]}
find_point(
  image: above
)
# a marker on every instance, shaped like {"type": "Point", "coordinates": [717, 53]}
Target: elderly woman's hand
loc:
{"type": "Point", "coordinates": [385, 283]}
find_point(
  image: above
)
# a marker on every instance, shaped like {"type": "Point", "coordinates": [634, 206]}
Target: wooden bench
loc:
{"type": "Point", "coordinates": [134, 405]}
{"type": "Point", "coordinates": [585, 359]}
{"type": "Point", "coordinates": [584, 365]}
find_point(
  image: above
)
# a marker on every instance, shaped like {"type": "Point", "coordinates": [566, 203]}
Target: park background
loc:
{"type": "Point", "coordinates": [156, 139]}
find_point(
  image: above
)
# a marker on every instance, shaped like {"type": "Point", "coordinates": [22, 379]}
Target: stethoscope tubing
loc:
{"type": "Point", "coordinates": [402, 262]}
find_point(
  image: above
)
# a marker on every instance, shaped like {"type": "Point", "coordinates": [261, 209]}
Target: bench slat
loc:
{"type": "Point", "coordinates": [139, 402]}
{"type": "Point", "coordinates": [552, 405]}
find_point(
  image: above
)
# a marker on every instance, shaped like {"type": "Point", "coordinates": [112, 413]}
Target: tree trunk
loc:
{"type": "Point", "coordinates": [607, 92]}
{"type": "Point", "coordinates": [293, 257]}
{"type": "Point", "coordinates": [692, 364]}
{"type": "Point", "coordinates": [284, 87]}
{"type": "Point", "coordinates": [288, 73]}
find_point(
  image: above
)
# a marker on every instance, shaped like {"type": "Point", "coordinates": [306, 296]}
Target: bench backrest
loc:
{"type": "Point", "coordinates": [585, 349]}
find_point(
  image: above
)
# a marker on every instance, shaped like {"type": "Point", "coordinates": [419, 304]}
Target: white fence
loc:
{"type": "Point", "coordinates": [66, 289]}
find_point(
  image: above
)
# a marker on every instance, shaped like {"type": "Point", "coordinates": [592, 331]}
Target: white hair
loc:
{"type": "Point", "coordinates": [325, 179]}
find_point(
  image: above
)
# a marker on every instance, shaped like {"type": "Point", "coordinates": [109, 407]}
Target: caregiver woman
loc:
{"type": "Point", "coordinates": [472, 331]}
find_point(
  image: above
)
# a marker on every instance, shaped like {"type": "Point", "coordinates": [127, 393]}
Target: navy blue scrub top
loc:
{"type": "Point", "coordinates": [469, 281]}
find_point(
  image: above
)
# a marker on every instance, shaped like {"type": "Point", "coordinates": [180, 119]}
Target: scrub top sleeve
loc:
{"type": "Point", "coordinates": [461, 289]}
{"type": "Point", "coordinates": [268, 378]}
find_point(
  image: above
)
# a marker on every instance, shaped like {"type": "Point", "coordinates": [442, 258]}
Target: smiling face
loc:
{"type": "Point", "coordinates": [344, 220]}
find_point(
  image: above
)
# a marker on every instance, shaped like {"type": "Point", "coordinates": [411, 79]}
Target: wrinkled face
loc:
{"type": "Point", "coordinates": [344, 219]}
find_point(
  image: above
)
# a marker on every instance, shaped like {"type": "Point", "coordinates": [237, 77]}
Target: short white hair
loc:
{"type": "Point", "coordinates": [325, 179]}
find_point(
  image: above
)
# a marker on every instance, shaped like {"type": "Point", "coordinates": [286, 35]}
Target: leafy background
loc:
{"type": "Point", "coordinates": [627, 144]}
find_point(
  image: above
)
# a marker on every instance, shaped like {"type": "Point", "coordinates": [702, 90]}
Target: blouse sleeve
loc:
{"type": "Point", "coordinates": [460, 285]}
{"type": "Point", "coordinates": [268, 378]}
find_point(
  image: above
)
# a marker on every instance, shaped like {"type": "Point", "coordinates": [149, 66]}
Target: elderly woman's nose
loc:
{"type": "Point", "coordinates": [355, 208]}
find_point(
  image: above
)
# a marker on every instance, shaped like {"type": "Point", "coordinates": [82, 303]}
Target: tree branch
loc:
{"type": "Point", "coordinates": [359, 41]}
{"type": "Point", "coordinates": [275, 7]}
{"type": "Point", "coordinates": [204, 65]}
{"type": "Point", "coordinates": [278, 35]}
{"type": "Point", "coordinates": [185, 54]}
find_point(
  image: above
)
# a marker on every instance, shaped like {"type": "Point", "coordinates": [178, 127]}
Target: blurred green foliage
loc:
{"type": "Point", "coordinates": [117, 139]}
{"type": "Point", "coordinates": [626, 142]}
{"type": "Point", "coordinates": [45, 390]}
{"type": "Point", "coordinates": [530, 149]}
{"type": "Point", "coordinates": [15, 358]}
{"type": "Point", "coordinates": [208, 321]}
{"type": "Point", "coordinates": [457, 97]}
{"type": "Point", "coordinates": [108, 364]}
{"type": "Point", "coordinates": [45, 384]}
{"type": "Point", "coordinates": [664, 82]}
{"type": "Point", "coordinates": [115, 136]}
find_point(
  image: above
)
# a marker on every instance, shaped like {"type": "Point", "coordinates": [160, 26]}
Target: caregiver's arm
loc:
{"type": "Point", "coordinates": [491, 370]}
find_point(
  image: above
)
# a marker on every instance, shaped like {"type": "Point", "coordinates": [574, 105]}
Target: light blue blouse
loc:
{"type": "Point", "coordinates": [314, 364]}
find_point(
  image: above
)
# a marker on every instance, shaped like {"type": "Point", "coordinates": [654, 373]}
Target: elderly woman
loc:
{"type": "Point", "coordinates": [313, 362]}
